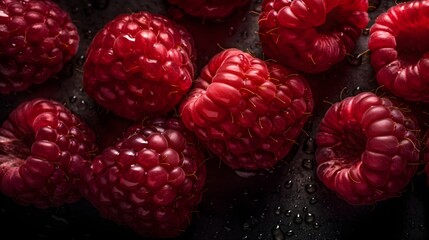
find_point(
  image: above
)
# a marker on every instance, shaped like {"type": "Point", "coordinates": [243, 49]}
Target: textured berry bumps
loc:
{"type": "Point", "coordinates": [43, 147]}
{"type": "Point", "coordinates": [37, 38]}
{"type": "Point", "coordinates": [400, 52]}
{"type": "Point", "coordinates": [311, 35]}
{"type": "Point", "coordinates": [210, 9]}
{"type": "Point", "coordinates": [249, 112]}
{"type": "Point", "coordinates": [151, 180]}
{"type": "Point", "coordinates": [139, 64]}
{"type": "Point", "coordinates": [367, 149]}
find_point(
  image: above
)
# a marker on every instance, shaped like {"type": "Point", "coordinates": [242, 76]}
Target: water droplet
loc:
{"type": "Point", "coordinates": [88, 9]}
{"type": "Point", "coordinates": [245, 237]}
{"type": "Point", "coordinates": [278, 234]}
{"type": "Point", "coordinates": [245, 174]}
{"type": "Point", "coordinates": [305, 209]}
{"type": "Point", "coordinates": [358, 90]}
{"type": "Point", "coordinates": [289, 233]}
{"type": "Point", "coordinates": [307, 164]}
{"type": "Point", "coordinates": [231, 31]}
{"type": "Point", "coordinates": [215, 235]}
{"type": "Point", "coordinates": [365, 31]}
{"type": "Point", "coordinates": [309, 145]}
{"type": "Point", "coordinates": [422, 227]}
{"type": "Point", "coordinates": [244, 19]}
{"type": "Point", "coordinates": [88, 34]}
{"type": "Point", "coordinates": [310, 188]}
{"type": "Point", "coordinates": [72, 99]}
{"type": "Point", "coordinates": [313, 200]}
{"type": "Point", "coordinates": [298, 219]}
{"type": "Point", "coordinates": [260, 236]}
{"type": "Point", "coordinates": [309, 217]}
{"type": "Point", "coordinates": [288, 213]}
{"type": "Point", "coordinates": [75, 10]}
{"type": "Point", "coordinates": [288, 184]}
{"type": "Point", "coordinates": [316, 225]}
{"type": "Point", "coordinates": [80, 60]}
{"type": "Point", "coordinates": [278, 210]}
{"type": "Point", "coordinates": [228, 229]}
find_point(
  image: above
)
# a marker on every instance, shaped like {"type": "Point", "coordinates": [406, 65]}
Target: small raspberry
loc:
{"type": "Point", "coordinates": [37, 38]}
{"type": "Point", "coordinates": [249, 112]}
{"type": "Point", "coordinates": [139, 64]}
{"type": "Point", "coordinates": [400, 52]}
{"type": "Point", "coordinates": [311, 35]}
{"type": "Point", "coordinates": [367, 149]}
{"type": "Point", "coordinates": [43, 147]}
{"type": "Point", "coordinates": [151, 180]}
{"type": "Point", "coordinates": [210, 9]}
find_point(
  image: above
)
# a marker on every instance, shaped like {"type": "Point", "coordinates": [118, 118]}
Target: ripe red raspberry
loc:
{"type": "Point", "coordinates": [139, 64]}
{"type": "Point", "coordinates": [37, 38]}
{"type": "Point", "coordinates": [43, 148]}
{"type": "Point", "coordinates": [249, 112]}
{"type": "Point", "coordinates": [311, 35]}
{"type": "Point", "coordinates": [367, 149]}
{"type": "Point", "coordinates": [151, 180]}
{"type": "Point", "coordinates": [210, 9]}
{"type": "Point", "coordinates": [400, 52]}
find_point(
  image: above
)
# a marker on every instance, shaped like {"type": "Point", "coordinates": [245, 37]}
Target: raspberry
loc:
{"type": "Point", "coordinates": [139, 64]}
{"type": "Point", "coordinates": [151, 180]}
{"type": "Point", "coordinates": [37, 38]}
{"type": "Point", "coordinates": [43, 147]}
{"type": "Point", "coordinates": [367, 149]}
{"type": "Point", "coordinates": [311, 35]}
{"type": "Point", "coordinates": [210, 9]}
{"type": "Point", "coordinates": [399, 50]}
{"type": "Point", "coordinates": [248, 112]}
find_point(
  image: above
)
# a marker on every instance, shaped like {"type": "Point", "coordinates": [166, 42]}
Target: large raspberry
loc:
{"type": "Point", "coordinates": [311, 35]}
{"type": "Point", "coordinates": [43, 147]}
{"type": "Point", "coordinates": [37, 38]}
{"type": "Point", "coordinates": [400, 51]}
{"type": "Point", "coordinates": [367, 149]}
{"type": "Point", "coordinates": [210, 9]}
{"type": "Point", "coordinates": [139, 64]}
{"type": "Point", "coordinates": [249, 112]}
{"type": "Point", "coordinates": [151, 180]}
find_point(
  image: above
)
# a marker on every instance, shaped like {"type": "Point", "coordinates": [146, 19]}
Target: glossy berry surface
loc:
{"type": "Point", "coordinates": [311, 35]}
{"type": "Point", "coordinates": [37, 38]}
{"type": "Point", "coordinates": [400, 52]}
{"type": "Point", "coordinates": [43, 147]}
{"type": "Point", "coordinates": [248, 112]}
{"type": "Point", "coordinates": [151, 180]}
{"type": "Point", "coordinates": [367, 149]}
{"type": "Point", "coordinates": [139, 64]}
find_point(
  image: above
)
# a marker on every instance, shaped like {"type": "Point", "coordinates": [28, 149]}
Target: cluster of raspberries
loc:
{"type": "Point", "coordinates": [248, 112]}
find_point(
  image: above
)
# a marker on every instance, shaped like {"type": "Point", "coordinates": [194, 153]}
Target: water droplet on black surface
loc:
{"type": "Point", "coordinates": [80, 60]}
{"type": "Point", "coordinates": [277, 233]}
{"type": "Point", "coordinates": [358, 90]}
{"type": "Point", "coordinates": [305, 209]}
{"type": "Point", "coordinates": [288, 213]}
{"type": "Point", "coordinates": [307, 164]}
{"type": "Point", "coordinates": [289, 233]}
{"type": "Point", "coordinates": [89, 10]}
{"type": "Point", "coordinates": [365, 31]}
{"type": "Point", "coordinates": [88, 34]}
{"type": "Point", "coordinates": [231, 31]}
{"type": "Point", "coordinates": [310, 188]}
{"type": "Point", "coordinates": [313, 200]}
{"type": "Point", "coordinates": [278, 210]}
{"type": "Point", "coordinates": [316, 225]}
{"type": "Point", "coordinates": [228, 229]}
{"type": "Point", "coordinates": [288, 184]}
{"type": "Point", "coordinates": [309, 217]}
{"type": "Point", "coordinates": [72, 99]}
{"type": "Point", "coordinates": [298, 219]}
{"type": "Point", "coordinates": [309, 145]}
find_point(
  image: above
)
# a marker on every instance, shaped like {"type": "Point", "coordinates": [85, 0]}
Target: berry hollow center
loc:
{"type": "Point", "coordinates": [412, 43]}
{"type": "Point", "coordinates": [352, 144]}
{"type": "Point", "coordinates": [13, 149]}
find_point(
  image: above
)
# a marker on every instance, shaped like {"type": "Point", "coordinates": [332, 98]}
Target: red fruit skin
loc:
{"type": "Point", "coordinates": [43, 147]}
{"type": "Point", "coordinates": [210, 9]}
{"type": "Point", "coordinates": [247, 111]}
{"type": "Point", "coordinates": [37, 38]}
{"type": "Point", "coordinates": [399, 48]}
{"type": "Point", "coordinates": [151, 180]}
{"type": "Point", "coordinates": [311, 35]}
{"type": "Point", "coordinates": [139, 64]}
{"type": "Point", "coordinates": [367, 149]}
